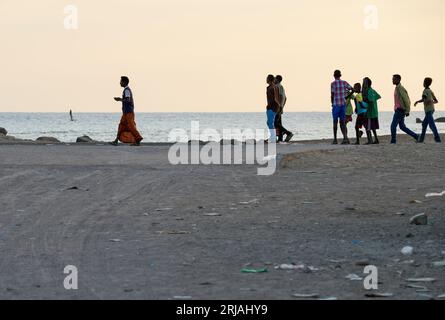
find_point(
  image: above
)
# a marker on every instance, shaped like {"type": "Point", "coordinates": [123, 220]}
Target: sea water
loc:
{"type": "Point", "coordinates": [156, 127]}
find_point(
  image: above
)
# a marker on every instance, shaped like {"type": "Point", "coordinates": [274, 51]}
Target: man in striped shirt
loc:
{"type": "Point", "coordinates": [339, 92]}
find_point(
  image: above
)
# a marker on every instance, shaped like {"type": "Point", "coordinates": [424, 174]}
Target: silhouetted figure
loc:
{"type": "Point", "coordinates": [402, 109]}
{"type": "Point", "coordinates": [370, 96]}
{"type": "Point", "coordinates": [339, 91]}
{"type": "Point", "coordinates": [273, 106]}
{"type": "Point", "coordinates": [127, 132]}
{"type": "Point", "coordinates": [361, 108]}
{"type": "Point", "coordinates": [429, 100]}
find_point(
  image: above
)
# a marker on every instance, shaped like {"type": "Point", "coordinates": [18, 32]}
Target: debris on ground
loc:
{"type": "Point", "coordinates": [174, 232]}
{"type": "Point", "coordinates": [407, 251]}
{"type": "Point", "coordinates": [290, 267]}
{"type": "Point", "coordinates": [421, 280]}
{"type": "Point", "coordinates": [305, 296]}
{"type": "Point", "coordinates": [354, 277]}
{"type": "Point", "coordinates": [418, 288]}
{"type": "Point", "coordinates": [419, 220]}
{"type": "Point", "coordinates": [363, 263]}
{"type": "Point", "coordinates": [439, 264]}
{"type": "Point", "coordinates": [264, 270]}
{"type": "Point", "coordinates": [379, 295]}
{"type": "Point", "coordinates": [254, 201]}
{"type": "Point", "coordinates": [431, 195]}
{"type": "Point", "coordinates": [163, 209]}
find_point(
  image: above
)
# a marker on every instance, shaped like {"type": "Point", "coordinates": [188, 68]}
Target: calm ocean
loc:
{"type": "Point", "coordinates": [155, 127]}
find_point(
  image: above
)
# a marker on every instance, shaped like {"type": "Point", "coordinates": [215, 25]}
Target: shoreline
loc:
{"type": "Point", "coordinates": [384, 139]}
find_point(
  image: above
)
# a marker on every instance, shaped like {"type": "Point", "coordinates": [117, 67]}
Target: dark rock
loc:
{"type": "Point", "coordinates": [440, 120]}
{"type": "Point", "coordinates": [47, 140]}
{"type": "Point", "coordinates": [418, 120]}
{"type": "Point", "coordinates": [84, 139]}
{"type": "Point", "coordinates": [379, 295]}
{"type": "Point", "coordinates": [363, 263]}
{"type": "Point", "coordinates": [3, 131]}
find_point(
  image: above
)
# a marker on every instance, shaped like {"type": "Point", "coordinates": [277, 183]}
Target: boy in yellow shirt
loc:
{"type": "Point", "coordinates": [429, 100]}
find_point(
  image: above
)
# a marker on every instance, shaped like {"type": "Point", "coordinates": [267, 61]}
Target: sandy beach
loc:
{"type": "Point", "coordinates": [137, 227]}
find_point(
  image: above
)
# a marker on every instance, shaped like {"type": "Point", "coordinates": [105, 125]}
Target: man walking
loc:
{"type": "Point", "coordinates": [273, 106]}
{"type": "Point", "coordinates": [429, 100]}
{"type": "Point", "coordinates": [281, 130]}
{"type": "Point", "coordinates": [402, 108]}
{"type": "Point", "coordinates": [127, 132]}
{"type": "Point", "coordinates": [339, 92]}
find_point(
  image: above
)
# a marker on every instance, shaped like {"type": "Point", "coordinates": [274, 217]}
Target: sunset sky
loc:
{"type": "Point", "coordinates": [212, 55]}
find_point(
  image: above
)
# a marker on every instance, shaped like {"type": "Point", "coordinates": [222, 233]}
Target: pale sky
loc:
{"type": "Point", "coordinates": [212, 55]}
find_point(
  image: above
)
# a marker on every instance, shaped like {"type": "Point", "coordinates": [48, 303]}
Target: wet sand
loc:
{"type": "Point", "coordinates": [137, 227]}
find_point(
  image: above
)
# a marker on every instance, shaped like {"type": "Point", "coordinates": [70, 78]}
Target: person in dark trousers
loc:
{"type": "Point", "coordinates": [272, 108]}
{"type": "Point", "coordinates": [429, 100]}
{"type": "Point", "coordinates": [127, 132]}
{"type": "Point", "coordinates": [281, 130]}
{"type": "Point", "coordinates": [402, 109]}
{"type": "Point", "coordinates": [339, 91]}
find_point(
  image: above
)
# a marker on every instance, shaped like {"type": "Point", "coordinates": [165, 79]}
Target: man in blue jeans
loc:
{"type": "Point", "coordinates": [273, 106]}
{"type": "Point", "coordinates": [402, 108]}
{"type": "Point", "coordinates": [429, 100]}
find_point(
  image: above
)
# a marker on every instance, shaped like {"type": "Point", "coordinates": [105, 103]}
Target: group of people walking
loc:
{"type": "Point", "coordinates": [127, 131]}
{"type": "Point", "coordinates": [343, 94]}
{"type": "Point", "coordinates": [366, 108]}
{"type": "Point", "coordinates": [276, 100]}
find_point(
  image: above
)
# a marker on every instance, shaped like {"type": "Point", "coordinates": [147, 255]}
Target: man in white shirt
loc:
{"type": "Point", "coordinates": [127, 132]}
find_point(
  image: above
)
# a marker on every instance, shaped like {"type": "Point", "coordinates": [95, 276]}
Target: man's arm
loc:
{"type": "Point", "coordinates": [125, 99]}
{"type": "Point", "coordinates": [435, 101]}
{"type": "Point", "coordinates": [420, 101]}
{"type": "Point", "coordinates": [277, 96]}
{"type": "Point", "coordinates": [433, 98]}
{"type": "Point", "coordinates": [376, 96]}
{"type": "Point", "coordinates": [126, 96]}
